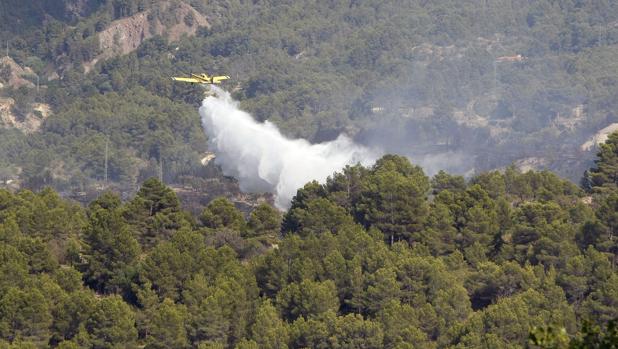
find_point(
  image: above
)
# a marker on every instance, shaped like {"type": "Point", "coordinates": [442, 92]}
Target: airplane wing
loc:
{"type": "Point", "coordinates": [191, 80]}
{"type": "Point", "coordinates": [201, 79]}
{"type": "Point", "coordinates": [218, 79]}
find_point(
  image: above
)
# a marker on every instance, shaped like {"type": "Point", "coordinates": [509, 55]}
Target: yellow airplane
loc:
{"type": "Point", "coordinates": [201, 79]}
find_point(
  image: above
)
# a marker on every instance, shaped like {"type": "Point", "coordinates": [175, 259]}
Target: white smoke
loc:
{"type": "Point", "coordinates": [263, 159]}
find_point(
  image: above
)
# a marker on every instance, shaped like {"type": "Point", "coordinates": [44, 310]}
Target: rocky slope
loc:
{"type": "Point", "coordinates": [28, 124]}
{"type": "Point", "coordinates": [125, 35]}
{"type": "Point", "coordinates": [12, 74]}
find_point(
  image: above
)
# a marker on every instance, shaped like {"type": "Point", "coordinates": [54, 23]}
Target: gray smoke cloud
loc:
{"type": "Point", "coordinates": [262, 159]}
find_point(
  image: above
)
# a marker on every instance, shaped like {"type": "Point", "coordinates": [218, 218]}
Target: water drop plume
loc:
{"type": "Point", "coordinates": [262, 159]}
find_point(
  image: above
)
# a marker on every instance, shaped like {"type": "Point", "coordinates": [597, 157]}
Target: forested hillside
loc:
{"type": "Point", "coordinates": [460, 85]}
{"type": "Point", "coordinates": [377, 257]}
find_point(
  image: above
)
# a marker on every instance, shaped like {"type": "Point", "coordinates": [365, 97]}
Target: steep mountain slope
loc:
{"type": "Point", "coordinates": [125, 35]}
{"type": "Point", "coordinates": [527, 83]}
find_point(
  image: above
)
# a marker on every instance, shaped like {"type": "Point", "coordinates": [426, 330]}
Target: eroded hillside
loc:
{"type": "Point", "coordinates": [170, 19]}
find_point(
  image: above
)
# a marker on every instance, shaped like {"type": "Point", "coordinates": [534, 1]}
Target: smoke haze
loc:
{"type": "Point", "coordinates": [263, 159]}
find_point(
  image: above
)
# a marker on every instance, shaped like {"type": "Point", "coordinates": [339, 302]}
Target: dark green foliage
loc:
{"type": "Point", "coordinates": [329, 330]}
{"type": "Point", "coordinates": [604, 177]}
{"type": "Point", "coordinates": [472, 264]}
{"type": "Point", "coordinates": [269, 331]}
{"type": "Point", "coordinates": [604, 237]}
{"type": "Point", "coordinates": [167, 326]}
{"type": "Point", "coordinates": [307, 299]}
{"type": "Point", "coordinates": [590, 336]}
{"type": "Point", "coordinates": [542, 233]}
{"type": "Point", "coordinates": [264, 220]}
{"type": "Point", "coordinates": [444, 181]}
{"type": "Point", "coordinates": [311, 190]}
{"type": "Point", "coordinates": [155, 213]}
{"type": "Point", "coordinates": [594, 336]}
{"type": "Point", "coordinates": [111, 250]}
{"type": "Point", "coordinates": [393, 198]}
{"type": "Point", "coordinates": [377, 257]}
{"type": "Point", "coordinates": [112, 324]}
{"type": "Point", "coordinates": [319, 216]}
{"type": "Point", "coordinates": [221, 213]}
{"type": "Point", "coordinates": [25, 314]}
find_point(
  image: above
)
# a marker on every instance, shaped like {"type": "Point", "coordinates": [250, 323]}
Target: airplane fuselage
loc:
{"type": "Point", "coordinates": [201, 79]}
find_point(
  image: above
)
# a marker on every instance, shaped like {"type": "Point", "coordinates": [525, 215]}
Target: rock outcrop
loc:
{"type": "Point", "coordinates": [125, 35]}
{"type": "Point", "coordinates": [12, 74]}
{"type": "Point", "coordinates": [599, 137]}
{"type": "Point", "coordinates": [30, 123]}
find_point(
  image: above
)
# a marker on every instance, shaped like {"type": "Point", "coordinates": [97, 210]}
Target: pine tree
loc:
{"type": "Point", "coordinates": [110, 250]}
{"type": "Point", "coordinates": [155, 213]}
{"type": "Point", "coordinates": [112, 324]}
{"type": "Point", "coordinates": [167, 326]}
{"type": "Point", "coordinates": [604, 177]}
{"type": "Point", "coordinates": [393, 199]}
{"type": "Point", "coordinates": [269, 331]}
{"type": "Point", "coordinates": [221, 213]}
